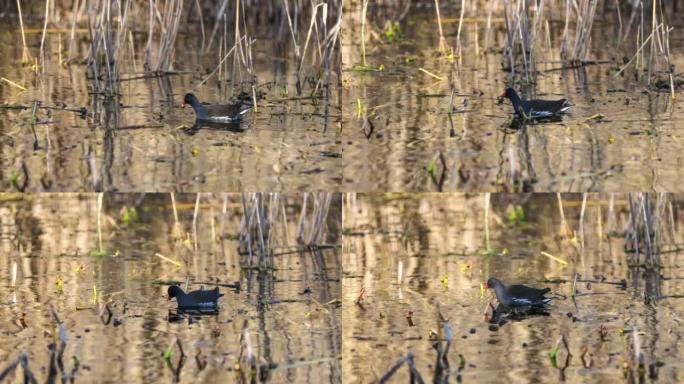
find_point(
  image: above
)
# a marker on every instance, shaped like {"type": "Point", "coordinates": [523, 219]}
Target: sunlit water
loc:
{"type": "Point", "coordinates": [440, 242]}
{"type": "Point", "coordinates": [290, 316]}
{"type": "Point", "coordinates": [288, 143]}
{"type": "Point", "coordinates": [635, 145]}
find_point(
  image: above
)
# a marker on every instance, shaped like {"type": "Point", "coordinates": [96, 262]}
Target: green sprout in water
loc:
{"type": "Point", "coordinates": [167, 355]}
{"type": "Point", "coordinates": [461, 362]}
{"type": "Point", "coordinates": [552, 356]}
{"type": "Point", "coordinates": [129, 216]}
{"type": "Point", "coordinates": [14, 180]}
{"type": "Point", "coordinates": [60, 284]}
{"type": "Point", "coordinates": [516, 216]}
{"type": "Point", "coordinates": [444, 280]}
{"type": "Point", "coordinates": [393, 31]}
{"type": "Point", "coordinates": [431, 168]}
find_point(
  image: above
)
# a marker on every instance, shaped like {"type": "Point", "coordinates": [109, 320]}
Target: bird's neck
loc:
{"type": "Point", "coordinates": [501, 291]}
{"type": "Point", "coordinates": [199, 108]}
{"type": "Point", "coordinates": [515, 99]}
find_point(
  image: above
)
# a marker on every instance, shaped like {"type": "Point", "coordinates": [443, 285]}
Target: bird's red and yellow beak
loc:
{"type": "Point", "coordinates": [486, 286]}
{"type": "Point", "coordinates": [183, 104]}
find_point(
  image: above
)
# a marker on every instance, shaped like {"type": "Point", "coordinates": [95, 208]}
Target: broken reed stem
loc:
{"type": "Point", "coordinates": [641, 47]}
{"type": "Point", "coordinates": [363, 32]}
{"type": "Point", "coordinates": [651, 52]}
{"type": "Point", "coordinates": [201, 19]}
{"type": "Point", "coordinates": [217, 67]}
{"type": "Point", "coordinates": [42, 39]}
{"type": "Point", "coordinates": [552, 257]}
{"type": "Point", "coordinates": [238, 46]}
{"type": "Point", "coordinates": [25, 53]}
{"type": "Point", "coordinates": [460, 24]}
{"type": "Point", "coordinates": [302, 219]}
{"type": "Point", "coordinates": [258, 203]}
{"type": "Point", "coordinates": [581, 224]}
{"type": "Point", "coordinates": [74, 16]}
{"type": "Point", "coordinates": [177, 231]}
{"type": "Point", "coordinates": [486, 219]}
{"type": "Point", "coordinates": [430, 74]}
{"type": "Point", "coordinates": [292, 32]}
{"type": "Point", "coordinates": [600, 225]}
{"type": "Point", "coordinates": [170, 22]}
{"type": "Point", "coordinates": [442, 40]}
{"type": "Point", "coordinates": [194, 223]}
{"type": "Point", "coordinates": [174, 262]}
{"type": "Point", "coordinates": [247, 352]}
{"type": "Point", "coordinates": [100, 196]}
{"type": "Point", "coordinates": [564, 231]}
{"type": "Point", "coordinates": [12, 83]}
{"type": "Point", "coordinates": [489, 25]}
{"type": "Point", "coordinates": [308, 36]}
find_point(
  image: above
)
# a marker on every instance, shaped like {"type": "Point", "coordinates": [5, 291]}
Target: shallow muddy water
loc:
{"type": "Point", "coordinates": [439, 240]}
{"type": "Point", "coordinates": [288, 143]}
{"type": "Point", "coordinates": [290, 315]}
{"type": "Point", "coordinates": [396, 119]}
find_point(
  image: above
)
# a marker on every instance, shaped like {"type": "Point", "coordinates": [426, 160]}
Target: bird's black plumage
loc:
{"type": "Point", "coordinates": [536, 109]}
{"type": "Point", "coordinates": [202, 299]}
{"type": "Point", "coordinates": [220, 113]}
{"type": "Point", "coordinates": [518, 295]}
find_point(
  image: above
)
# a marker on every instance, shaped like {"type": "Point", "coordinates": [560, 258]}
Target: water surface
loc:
{"type": "Point", "coordinates": [440, 243]}
{"type": "Point", "coordinates": [290, 313]}
{"type": "Point", "coordinates": [403, 124]}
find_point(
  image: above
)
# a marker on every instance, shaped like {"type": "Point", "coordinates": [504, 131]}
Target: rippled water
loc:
{"type": "Point", "coordinates": [636, 144]}
{"type": "Point", "coordinates": [289, 143]}
{"type": "Point", "coordinates": [290, 315]}
{"type": "Point", "coordinates": [440, 242]}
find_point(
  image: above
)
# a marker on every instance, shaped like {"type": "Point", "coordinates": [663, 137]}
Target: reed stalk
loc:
{"type": "Point", "coordinates": [363, 32]}
{"type": "Point", "coordinates": [487, 197]}
{"type": "Point", "coordinates": [443, 46]}
{"type": "Point", "coordinates": [25, 53]}
{"type": "Point", "coordinates": [42, 39]}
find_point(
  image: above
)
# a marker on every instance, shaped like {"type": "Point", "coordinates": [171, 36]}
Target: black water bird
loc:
{"type": "Point", "coordinates": [518, 296]}
{"type": "Point", "coordinates": [220, 113]}
{"type": "Point", "coordinates": [202, 299]}
{"type": "Point", "coordinates": [536, 109]}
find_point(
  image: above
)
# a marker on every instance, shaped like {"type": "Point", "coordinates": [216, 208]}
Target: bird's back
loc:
{"type": "Point", "coordinates": [205, 296]}
{"type": "Point", "coordinates": [224, 110]}
{"type": "Point", "coordinates": [527, 292]}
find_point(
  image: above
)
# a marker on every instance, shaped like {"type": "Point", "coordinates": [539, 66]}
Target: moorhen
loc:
{"type": "Point", "coordinates": [518, 295]}
{"type": "Point", "coordinates": [202, 299]}
{"type": "Point", "coordinates": [536, 109]}
{"type": "Point", "coordinates": [227, 113]}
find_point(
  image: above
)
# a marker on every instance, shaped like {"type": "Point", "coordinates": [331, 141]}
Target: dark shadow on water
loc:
{"type": "Point", "coordinates": [192, 315]}
{"type": "Point", "coordinates": [503, 314]}
{"type": "Point", "coordinates": [237, 127]}
{"type": "Point", "coordinates": [518, 123]}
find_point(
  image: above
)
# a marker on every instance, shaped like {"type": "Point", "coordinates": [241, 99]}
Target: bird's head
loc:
{"type": "Point", "coordinates": [174, 291]}
{"type": "Point", "coordinates": [491, 283]}
{"type": "Point", "coordinates": [189, 99]}
{"type": "Point", "coordinates": [508, 93]}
